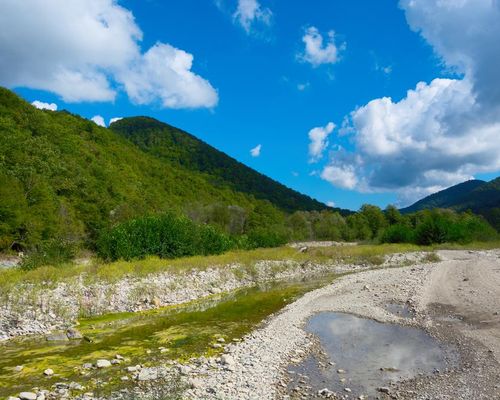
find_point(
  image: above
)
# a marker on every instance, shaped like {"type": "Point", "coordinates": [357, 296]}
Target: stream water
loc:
{"type": "Point", "coordinates": [363, 355]}
{"type": "Point", "coordinates": [184, 331]}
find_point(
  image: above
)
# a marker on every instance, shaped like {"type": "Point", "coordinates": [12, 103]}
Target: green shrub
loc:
{"type": "Point", "coordinates": [166, 236]}
{"type": "Point", "coordinates": [439, 226]}
{"type": "Point", "coordinates": [398, 233]}
{"type": "Point", "coordinates": [433, 229]}
{"type": "Point", "coordinates": [266, 237]}
{"type": "Point", "coordinates": [52, 252]}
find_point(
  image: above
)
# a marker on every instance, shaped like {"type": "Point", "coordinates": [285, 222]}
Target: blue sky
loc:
{"type": "Point", "coordinates": [260, 86]}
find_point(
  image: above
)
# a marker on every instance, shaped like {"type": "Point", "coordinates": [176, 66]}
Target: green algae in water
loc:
{"type": "Point", "coordinates": [186, 331]}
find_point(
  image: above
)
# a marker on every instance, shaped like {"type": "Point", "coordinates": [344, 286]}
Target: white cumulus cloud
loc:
{"type": "Point", "coordinates": [255, 152]}
{"type": "Point", "coordinates": [87, 50]}
{"type": "Point", "coordinates": [330, 203]}
{"type": "Point", "coordinates": [442, 132]}
{"type": "Point", "coordinates": [44, 106]}
{"type": "Point", "coordinates": [250, 12]}
{"type": "Point", "coordinates": [98, 120]}
{"type": "Point", "coordinates": [341, 176]}
{"type": "Point", "coordinates": [164, 73]}
{"type": "Point", "coordinates": [319, 51]}
{"type": "Point", "coordinates": [319, 141]}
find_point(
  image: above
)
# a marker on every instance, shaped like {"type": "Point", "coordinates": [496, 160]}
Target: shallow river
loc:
{"type": "Point", "coordinates": [184, 331]}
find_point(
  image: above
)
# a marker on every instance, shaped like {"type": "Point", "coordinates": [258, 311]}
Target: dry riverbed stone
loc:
{"type": "Point", "coordinates": [27, 396]}
{"type": "Point", "coordinates": [103, 364]}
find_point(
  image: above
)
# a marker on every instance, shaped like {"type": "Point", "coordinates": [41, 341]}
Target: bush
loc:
{"type": "Point", "coordinates": [266, 237]}
{"type": "Point", "coordinates": [439, 226]}
{"type": "Point", "coordinates": [166, 236]}
{"type": "Point", "coordinates": [52, 252]}
{"type": "Point", "coordinates": [398, 233]}
{"type": "Point", "coordinates": [433, 229]}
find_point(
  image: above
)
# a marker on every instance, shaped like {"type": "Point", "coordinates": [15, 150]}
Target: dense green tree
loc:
{"type": "Point", "coordinates": [392, 215]}
{"type": "Point", "coordinates": [374, 217]}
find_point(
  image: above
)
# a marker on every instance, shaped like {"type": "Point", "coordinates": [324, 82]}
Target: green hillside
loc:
{"type": "Point", "coordinates": [181, 148]}
{"type": "Point", "coordinates": [475, 195]}
{"type": "Point", "coordinates": [446, 198]}
{"type": "Point", "coordinates": [64, 177]}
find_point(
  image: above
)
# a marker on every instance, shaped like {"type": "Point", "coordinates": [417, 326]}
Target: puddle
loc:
{"type": "Point", "coordinates": [371, 355]}
{"type": "Point", "coordinates": [401, 310]}
{"type": "Point", "coordinates": [186, 331]}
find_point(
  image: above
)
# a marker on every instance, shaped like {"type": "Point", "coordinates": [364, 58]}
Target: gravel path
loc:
{"type": "Point", "coordinates": [465, 285]}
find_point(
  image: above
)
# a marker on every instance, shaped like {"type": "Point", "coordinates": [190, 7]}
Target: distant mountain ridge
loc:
{"type": "Point", "coordinates": [477, 196]}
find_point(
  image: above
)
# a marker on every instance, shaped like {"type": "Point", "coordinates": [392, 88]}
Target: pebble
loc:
{"type": "Point", "coordinates": [27, 396]}
{"type": "Point", "coordinates": [48, 372]}
{"type": "Point", "coordinates": [73, 334]}
{"type": "Point", "coordinates": [147, 374]}
{"type": "Point", "coordinates": [103, 364]}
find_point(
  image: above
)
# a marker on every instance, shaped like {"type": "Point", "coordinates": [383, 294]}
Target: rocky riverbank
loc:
{"type": "Point", "coordinates": [255, 367]}
{"type": "Point", "coordinates": [39, 309]}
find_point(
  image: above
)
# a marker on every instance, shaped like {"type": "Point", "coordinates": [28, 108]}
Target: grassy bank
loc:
{"type": "Point", "coordinates": [110, 272]}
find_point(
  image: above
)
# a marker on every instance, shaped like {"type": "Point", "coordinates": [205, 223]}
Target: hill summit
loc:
{"type": "Point", "coordinates": [62, 176]}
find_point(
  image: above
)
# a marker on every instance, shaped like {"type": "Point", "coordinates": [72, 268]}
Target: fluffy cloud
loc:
{"type": "Point", "coordinates": [44, 106]}
{"type": "Point", "coordinates": [464, 33]}
{"type": "Point", "coordinates": [164, 73]}
{"type": "Point", "coordinates": [341, 176]}
{"type": "Point", "coordinates": [442, 132]}
{"type": "Point", "coordinates": [250, 12]}
{"type": "Point", "coordinates": [318, 52]}
{"type": "Point", "coordinates": [85, 50]}
{"type": "Point", "coordinates": [318, 141]}
{"type": "Point", "coordinates": [255, 152]}
{"type": "Point", "coordinates": [98, 120]}
{"type": "Point", "coordinates": [330, 203]}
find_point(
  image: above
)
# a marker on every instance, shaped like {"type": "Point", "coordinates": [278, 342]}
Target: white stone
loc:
{"type": "Point", "coordinates": [227, 359]}
{"type": "Point", "coordinates": [102, 364]}
{"type": "Point", "coordinates": [27, 396]}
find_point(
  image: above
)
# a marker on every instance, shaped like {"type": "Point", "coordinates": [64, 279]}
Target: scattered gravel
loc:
{"type": "Point", "coordinates": [260, 360]}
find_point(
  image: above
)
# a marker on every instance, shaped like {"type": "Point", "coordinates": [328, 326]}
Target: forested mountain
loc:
{"type": "Point", "coordinates": [475, 195]}
{"type": "Point", "coordinates": [176, 146]}
{"type": "Point", "coordinates": [446, 198]}
{"type": "Point", "coordinates": [62, 176]}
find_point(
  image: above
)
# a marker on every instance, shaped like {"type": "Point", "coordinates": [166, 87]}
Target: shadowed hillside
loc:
{"type": "Point", "coordinates": [176, 146]}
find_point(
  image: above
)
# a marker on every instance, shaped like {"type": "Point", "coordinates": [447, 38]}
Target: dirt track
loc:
{"type": "Point", "coordinates": [460, 304]}
{"type": "Point", "coordinates": [469, 284]}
